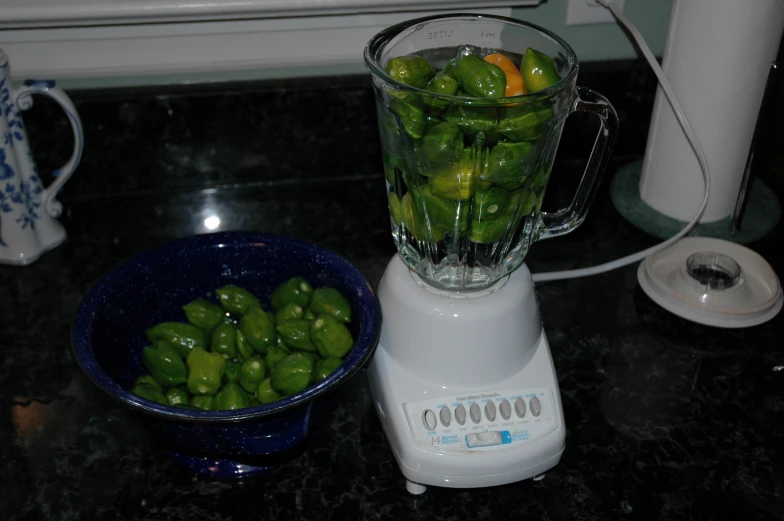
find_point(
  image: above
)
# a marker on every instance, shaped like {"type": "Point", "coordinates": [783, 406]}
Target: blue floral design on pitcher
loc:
{"type": "Point", "coordinates": [15, 125]}
{"type": "Point", "coordinates": [31, 196]}
{"type": "Point", "coordinates": [8, 194]}
{"type": "Point", "coordinates": [6, 172]}
{"type": "Point", "coordinates": [29, 192]}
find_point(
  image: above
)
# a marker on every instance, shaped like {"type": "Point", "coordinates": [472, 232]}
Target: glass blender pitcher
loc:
{"type": "Point", "coordinates": [463, 367]}
{"type": "Point", "coordinates": [466, 175]}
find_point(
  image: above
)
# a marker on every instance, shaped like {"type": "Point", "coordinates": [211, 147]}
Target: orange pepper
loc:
{"type": "Point", "coordinates": [515, 86]}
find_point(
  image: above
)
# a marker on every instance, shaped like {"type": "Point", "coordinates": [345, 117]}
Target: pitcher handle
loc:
{"type": "Point", "coordinates": [563, 221]}
{"type": "Point", "coordinates": [24, 100]}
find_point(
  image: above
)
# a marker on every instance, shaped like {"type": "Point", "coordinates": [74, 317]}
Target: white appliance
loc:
{"type": "Point", "coordinates": [717, 58]}
{"type": "Point", "coordinates": [495, 416]}
{"type": "Point", "coordinates": [463, 379]}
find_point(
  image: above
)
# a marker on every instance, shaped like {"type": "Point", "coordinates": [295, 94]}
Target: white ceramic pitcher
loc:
{"type": "Point", "coordinates": [28, 210]}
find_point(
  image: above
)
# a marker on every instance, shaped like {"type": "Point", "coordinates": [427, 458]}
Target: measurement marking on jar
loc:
{"type": "Point", "coordinates": [490, 36]}
{"type": "Point", "coordinates": [443, 33]}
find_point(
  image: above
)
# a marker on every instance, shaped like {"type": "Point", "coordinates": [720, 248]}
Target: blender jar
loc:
{"type": "Point", "coordinates": [466, 173]}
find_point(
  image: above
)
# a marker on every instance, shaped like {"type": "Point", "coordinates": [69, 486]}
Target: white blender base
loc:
{"type": "Point", "coordinates": [473, 434]}
{"type": "Point", "coordinates": [425, 462]}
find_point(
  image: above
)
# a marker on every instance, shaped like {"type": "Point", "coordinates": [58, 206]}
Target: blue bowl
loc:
{"type": "Point", "coordinates": [108, 337]}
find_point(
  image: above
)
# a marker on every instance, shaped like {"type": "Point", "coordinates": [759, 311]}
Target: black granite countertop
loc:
{"type": "Point", "coordinates": [666, 419]}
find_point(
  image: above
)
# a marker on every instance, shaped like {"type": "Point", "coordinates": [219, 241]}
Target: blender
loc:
{"type": "Point", "coordinates": [463, 379]}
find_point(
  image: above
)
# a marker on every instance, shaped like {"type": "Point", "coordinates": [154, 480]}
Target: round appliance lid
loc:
{"type": "Point", "coordinates": [712, 282]}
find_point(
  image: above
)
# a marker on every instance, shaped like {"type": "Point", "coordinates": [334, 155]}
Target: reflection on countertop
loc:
{"type": "Point", "coordinates": [665, 419]}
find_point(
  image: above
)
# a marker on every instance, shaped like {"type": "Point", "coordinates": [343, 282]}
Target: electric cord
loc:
{"type": "Point", "coordinates": [639, 256]}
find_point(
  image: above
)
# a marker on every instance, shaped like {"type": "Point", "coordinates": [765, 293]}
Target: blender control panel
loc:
{"type": "Point", "coordinates": [482, 421]}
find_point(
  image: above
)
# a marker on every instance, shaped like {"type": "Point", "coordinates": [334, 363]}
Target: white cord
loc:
{"type": "Point", "coordinates": [636, 257]}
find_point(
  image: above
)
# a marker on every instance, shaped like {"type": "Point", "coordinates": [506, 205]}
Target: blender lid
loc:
{"type": "Point", "coordinates": [712, 282]}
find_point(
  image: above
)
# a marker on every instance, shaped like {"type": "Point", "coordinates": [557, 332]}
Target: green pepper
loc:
{"type": "Point", "coordinates": [164, 363]}
{"type": "Point", "coordinates": [525, 199]}
{"type": "Point", "coordinates": [411, 219]}
{"type": "Point", "coordinates": [491, 231]}
{"type": "Point", "coordinates": [490, 204]}
{"type": "Point", "coordinates": [224, 340]}
{"type": "Point", "coordinates": [509, 164]}
{"type": "Point", "coordinates": [443, 144]}
{"type": "Point", "coordinates": [177, 396]}
{"type": "Point", "coordinates": [410, 216]}
{"type": "Point", "coordinates": [149, 392]}
{"type": "Point", "coordinates": [472, 119]}
{"type": "Point", "coordinates": [204, 314]}
{"type": "Point", "coordinates": [415, 224]}
{"type": "Point", "coordinates": [257, 329]}
{"type": "Point", "coordinates": [150, 380]}
{"type": "Point", "coordinates": [309, 314]}
{"type": "Point", "coordinates": [296, 290]}
{"type": "Point", "coordinates": [296, 334]}
{"type": "Point", "coordinates": [441, 84]}
{"type": "Point", "coordinates": [525, 122]}
{"type": "Point", "coordinates": [331, 337]}
{"type": "Point", "coordinates": [538, 70]}
{"type": "Point", "coordinates": [184, 337]}
{"type": "Point", "coordinates": [236, 300]}
{"type": "Point", "coordinates": [541, 178]}
{"type": "Point", "coordinates": [281, 345]}
{"type": "Point", "coordinates": [449, 216]}
{"type": "Point", "coordinates": [411, 70]}
{"type": "Point", "coordinates": [330, 301]}
{"type": "Point", "coordinates": [274, 355]}
{"type": "Point", "coordinates": [449, 66]}
{"type": "Point", "coordinates": [389, 161]}
{"type": "Point", "coordinates": [252, 372]}
{"type": "Point", "coordinates": [411, 113]}
{"type": "Point", "coordinates": [205, 402]}
{"type": "Point", "coordinates": [244, 349]}
{"type": "Point", "coordinates": [205, 371]}
{"type": "Point", "coordinates": [232, 373]}
{"type": "Point", "coordinates": [395, 210]}
{"type": "Point", "coordinates": [230, 398]}
{"type": "Point", "coordinates": [488, 232]}
{"type": "Point", "coordinates": [480, 78]}
{"type": "Point", "coordinates": [455, 188]}
{"type": "Point", "coordinates": [327, 366]}
{"type": "Point", "coordinates": [266, 394]}
{"type": "Point", "coordinates": [293, 374]}
{"type": "Point", "coordinates": [289, 311]}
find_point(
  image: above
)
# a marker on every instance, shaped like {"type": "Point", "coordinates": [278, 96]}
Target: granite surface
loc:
{"type": "Point", "coordinates": [666, 419]}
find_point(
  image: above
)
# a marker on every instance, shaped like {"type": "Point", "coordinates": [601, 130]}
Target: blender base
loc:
{"type": "Point", "coordinates": [453, 430]}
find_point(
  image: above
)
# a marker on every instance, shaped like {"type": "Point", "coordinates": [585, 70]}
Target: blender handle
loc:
{"type": "Point", "coordinates": [553, 224]}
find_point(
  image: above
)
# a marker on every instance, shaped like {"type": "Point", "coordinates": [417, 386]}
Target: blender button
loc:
{"type": "Point", "coordinates": [520, 408]}
{"type": "Point", "coordinates": [460, 414]}
{"type": "Point", "coordinates": [475, 413]}
{"type": "Point", "coordinates": [490, 411]}
{"type": "Point", "coordinates": [429, 419]}
{"type": "Point", "coordinates": [536, 407]}
{"type": "Point", "coordinates": [506, 409]}
{"type": "Point", "coordinates": [446, 416]}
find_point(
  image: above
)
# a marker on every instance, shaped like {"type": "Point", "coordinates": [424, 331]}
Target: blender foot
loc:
{"type": "Point", "coordinates": [415, 488]}
{"type": "Point", "coordinates": [539, 477]}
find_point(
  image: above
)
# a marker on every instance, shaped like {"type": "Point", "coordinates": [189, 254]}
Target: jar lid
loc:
{"type": "Point", "coordinates": [712, 282]}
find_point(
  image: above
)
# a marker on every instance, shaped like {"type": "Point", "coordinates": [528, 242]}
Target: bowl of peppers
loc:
{"type": "Point", "coordinates": [228, 347]}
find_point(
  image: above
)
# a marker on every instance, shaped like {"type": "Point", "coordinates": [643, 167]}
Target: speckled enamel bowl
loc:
{"type": "Point", "coordinates": [108, 337]}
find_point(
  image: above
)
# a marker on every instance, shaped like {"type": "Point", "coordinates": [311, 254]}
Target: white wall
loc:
{"type": "Point", "coordinates": [139, 54]}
